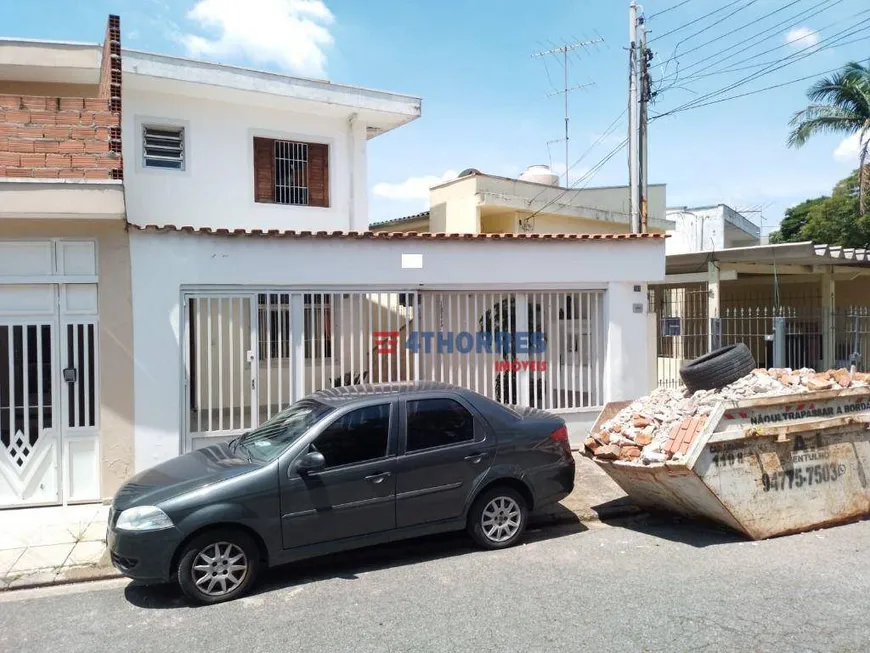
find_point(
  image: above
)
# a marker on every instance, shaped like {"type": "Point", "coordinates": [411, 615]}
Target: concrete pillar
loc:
{"type": "Point", "coordinates": [627, 359]}
{"type": "Point", "coordinates": [358, 209]}
{"type": "Point", "coordinates": [713, 301]}
{"type": "Point", "coordinates": [297, 344]}
{"type": "Point", "coordinates": [829, 336]}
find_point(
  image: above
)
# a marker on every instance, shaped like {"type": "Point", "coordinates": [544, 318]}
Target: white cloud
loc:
{"type": "Point", "coordinates": [413, 188]}
{"type": "Point", "coordinates": [802, 37]}
{"type": "Point", "coordinates": [849, 148]}
{"type": "Point", "coordinates": [290, 33]}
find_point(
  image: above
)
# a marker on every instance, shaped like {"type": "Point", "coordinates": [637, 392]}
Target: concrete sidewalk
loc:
{"type": "Point", "coordinates": [46, 546]}
{"type": "Point", "coordinates": [43, 546]}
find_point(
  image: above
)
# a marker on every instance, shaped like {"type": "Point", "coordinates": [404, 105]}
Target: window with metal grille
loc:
{"type": "Point", "coordinates": [163, 147]}
{"type": "Point", "coordinates": [291, 172]}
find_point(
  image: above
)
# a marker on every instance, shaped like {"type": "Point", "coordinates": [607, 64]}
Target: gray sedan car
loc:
{"type": "Point", "coordinates": [340, 469]}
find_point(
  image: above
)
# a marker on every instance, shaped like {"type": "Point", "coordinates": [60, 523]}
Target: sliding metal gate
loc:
{"type": "Point", "coordinates": [249, 354]}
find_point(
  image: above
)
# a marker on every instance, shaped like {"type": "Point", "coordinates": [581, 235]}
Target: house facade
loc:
{"type": "Point", "coordinates": [475, 202]}
{"type": "Point", "coordinates": [709, 228]}
{"type": "Point", "coordinates": [210, 263]}
{"type": "Point", "coordinates": [66, 336]}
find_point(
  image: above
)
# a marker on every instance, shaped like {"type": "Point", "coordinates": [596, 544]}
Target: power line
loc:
{"type": "Point", "coordinates": [795, 57]}
{"type": "Point", "coordinates": [758, 65]}
{"type": "Point", "coordinates": [797, 19]}
{"type": "Point", "coordinates": [592, 171]}
{"type": "Point", "coordinates": [664, 11]}
{"type": "Point", "coordinates": [753, 92]}
{"type": "Point", "coordinates": [609, 130]}
{"type": "Point", "coordinates": [737, 29]}
{"type": "Point", "coordinates": [692, 22]}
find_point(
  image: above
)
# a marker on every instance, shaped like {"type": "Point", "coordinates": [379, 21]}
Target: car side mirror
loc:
{"type": "Point", "coordinates": [311, 462]}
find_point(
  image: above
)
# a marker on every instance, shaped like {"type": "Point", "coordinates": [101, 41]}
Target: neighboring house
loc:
{"type": "Point", "coordinates": [712, 298]}
{"type": "Point", "coordinates": [479, 203]}
{"type": "Point", "coordinates": [709, 228]}
{"type": "Point", "coordinates": [66, 337]}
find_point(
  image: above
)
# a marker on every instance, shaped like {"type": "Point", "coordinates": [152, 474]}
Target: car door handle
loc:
{"type": "Point", "coordinates": [475, 458]}
{"type": "Point", "coordinates": [378, 478]}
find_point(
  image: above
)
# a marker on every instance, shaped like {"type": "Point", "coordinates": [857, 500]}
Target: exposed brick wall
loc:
{"type": "Point", "coordinates": [67, 137]}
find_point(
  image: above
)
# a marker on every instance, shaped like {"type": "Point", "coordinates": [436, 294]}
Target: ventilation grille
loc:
{"type": "Point", "coordinates": [163, 147]}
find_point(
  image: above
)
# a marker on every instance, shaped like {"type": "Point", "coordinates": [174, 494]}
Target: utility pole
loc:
{"type": "Point", "coordinates": [633, 132]}
{"type": "Point", "coordinates": [564, 50]}
{"type": "Point", "coordinates": [644, 57]}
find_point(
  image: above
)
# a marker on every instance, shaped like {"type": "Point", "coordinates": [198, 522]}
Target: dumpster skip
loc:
{"type": "Point", "coordinates": [765, 466]}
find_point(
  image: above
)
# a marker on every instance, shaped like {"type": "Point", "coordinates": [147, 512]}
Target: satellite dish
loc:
{"type": "Point", "coordinates": [470, 171]}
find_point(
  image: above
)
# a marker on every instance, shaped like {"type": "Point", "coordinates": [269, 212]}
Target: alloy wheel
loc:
{"type": "Point", "coordinates": [219, 568]}
{"type": "Point", "coordinates": [501, 519]}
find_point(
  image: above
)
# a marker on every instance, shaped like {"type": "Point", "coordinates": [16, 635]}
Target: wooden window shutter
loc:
{"type": "Point", "coordinates": [264, 170]}
{"type": "Point", "coordinates": [318, 174]}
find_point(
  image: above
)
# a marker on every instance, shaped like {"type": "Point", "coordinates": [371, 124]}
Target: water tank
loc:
{"type": "Point", "coordinates": [540, 175]}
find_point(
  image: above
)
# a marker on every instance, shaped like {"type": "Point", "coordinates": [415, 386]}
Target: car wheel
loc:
{"type": "Point", "coordinates": [498, 517]}
{"type": "Point", "coordinates": [218, 566]}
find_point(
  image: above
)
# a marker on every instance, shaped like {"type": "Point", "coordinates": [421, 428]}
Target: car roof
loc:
{"type": "Point", "coordinates": [351, 393]}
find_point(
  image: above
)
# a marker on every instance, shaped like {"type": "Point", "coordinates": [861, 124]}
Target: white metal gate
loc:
{"type": "Point", "coordinates": [29, 412]}
{"type": "Point", "coordinates": [249, 354]}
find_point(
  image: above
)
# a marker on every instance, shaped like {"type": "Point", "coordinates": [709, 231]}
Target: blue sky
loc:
{"type": "Point", "coordinates": [485, 101]}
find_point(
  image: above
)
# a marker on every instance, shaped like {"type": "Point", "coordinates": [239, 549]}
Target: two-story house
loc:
{"type": "Point", "coordinates": [66, 337]}
{"type": "Point", "coordinates": [234, 273]}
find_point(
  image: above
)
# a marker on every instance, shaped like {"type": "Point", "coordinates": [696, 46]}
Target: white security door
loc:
{"type": "Point", "coordinates": [29, 415]}
{"type": "Point", "coordinates": [79, 378]}
{"type": "Point", "coordinates": [220, 366]}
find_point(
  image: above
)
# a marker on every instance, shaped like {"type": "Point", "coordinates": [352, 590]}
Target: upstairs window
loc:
{"type": "Point", "coordinates": [163, 147]}
{"type": "Point", "coordinates": [291, 172]}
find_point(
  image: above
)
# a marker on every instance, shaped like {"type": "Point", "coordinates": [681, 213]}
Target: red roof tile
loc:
{"type": "Point", "coordinates": [390, 235]}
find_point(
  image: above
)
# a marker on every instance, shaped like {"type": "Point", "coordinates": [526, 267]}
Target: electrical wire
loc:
{"type": "Point", "coordinates": [609, 130]}
{"type": "Point", "coordinates": [718, 55]}
{"type": "Point", "coordinates": [737, 29]}
{"type": "Point", "coordinates": [757, 65]}
{"type": "Point", "coordinates": [574, 186]}
{"type": "Point", "coordinates": [664, 11]}
{"type": "Point", "coordinates": [797, 19]}
{"type": "Point", "coordinates": [754, 92]}
{"type": "Point", "coordinates": [785, 61]}
{"type": "Point", "coordinates": [696, 20]}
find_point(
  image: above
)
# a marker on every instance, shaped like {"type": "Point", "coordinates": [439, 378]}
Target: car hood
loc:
{"type": "Point", "coordinates": [182, 474]}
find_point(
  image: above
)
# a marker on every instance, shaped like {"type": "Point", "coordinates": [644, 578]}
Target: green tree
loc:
{"type": "Point", "coordinates": [839, 104]}
{"type": "Point", "coordinates": [833, 220]}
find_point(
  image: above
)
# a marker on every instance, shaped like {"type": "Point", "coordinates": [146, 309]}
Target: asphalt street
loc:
{"type": "Point", "coordinates": [642, 584]}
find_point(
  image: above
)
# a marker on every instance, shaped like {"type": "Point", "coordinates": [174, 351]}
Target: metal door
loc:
{"type": "Point", "coordinates": [29, 417]}
{"type": "Point", "coordinates": [220, 367]}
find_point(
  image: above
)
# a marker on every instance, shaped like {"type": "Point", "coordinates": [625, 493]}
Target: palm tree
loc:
{"type": "Point", "coordinates": [840, 104]}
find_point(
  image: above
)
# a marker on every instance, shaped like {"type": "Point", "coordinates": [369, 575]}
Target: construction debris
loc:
{"type": "Point", "coordinates": [661, 426]}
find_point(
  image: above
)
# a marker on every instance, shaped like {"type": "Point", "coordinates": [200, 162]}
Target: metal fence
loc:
{"type": "Point", "coordinates": [685, 332]}
{"type": "Point", "coordinates": [248, 355]}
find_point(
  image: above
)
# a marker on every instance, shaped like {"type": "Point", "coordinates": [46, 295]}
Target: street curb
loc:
{"type": "Point", "coordinates": [67, 576]}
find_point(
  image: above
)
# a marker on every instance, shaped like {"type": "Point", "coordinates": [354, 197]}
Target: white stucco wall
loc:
{"type": "Point", "coordinates": [164, 263]}
{"type": "Point", "coordinates": [216, 188]}
{"type": "Point", "coordinates": [697, 230]}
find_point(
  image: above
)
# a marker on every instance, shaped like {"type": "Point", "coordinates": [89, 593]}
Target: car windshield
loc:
{"type": "Point", "coordinates": [267, 441]}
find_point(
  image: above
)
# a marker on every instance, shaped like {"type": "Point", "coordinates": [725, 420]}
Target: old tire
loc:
{"type": "Point", "coordinates": [218, 565]}
{"type": "Point", "coordinates": [718, 368]}
{"type": "Point", "coordinates": [498, 517]}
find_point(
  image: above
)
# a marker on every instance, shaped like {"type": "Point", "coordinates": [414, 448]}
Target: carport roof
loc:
{"type": "Point", "coordinates": [390, 235]}
{"type": "Point", "coordinates": [806, 254]}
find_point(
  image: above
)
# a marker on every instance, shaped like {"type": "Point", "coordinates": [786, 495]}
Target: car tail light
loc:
{"type": "Point", "coordinates": [560, 435]}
